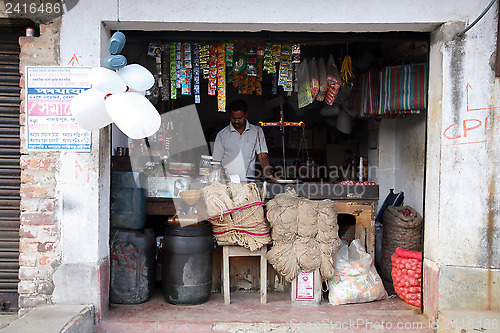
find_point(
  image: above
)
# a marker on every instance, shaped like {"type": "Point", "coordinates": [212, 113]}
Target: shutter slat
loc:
{"type": "Point", "coordinates": [10, 182]}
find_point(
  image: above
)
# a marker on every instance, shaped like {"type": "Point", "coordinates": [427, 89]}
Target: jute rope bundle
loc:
{"type": "Point", "coordinates": [305, 235]}
{"type": "Point", "coordinates": [237, 214]}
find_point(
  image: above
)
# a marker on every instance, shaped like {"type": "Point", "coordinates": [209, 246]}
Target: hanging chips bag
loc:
{"type": "Point", "coordinates": [333, 81]}
{"type": "Point", "coordinates": [304, 96]}
{"type": "Point", "coordinates": [313, 76]}
{"type": "Point", "coordinates": [322, 80]}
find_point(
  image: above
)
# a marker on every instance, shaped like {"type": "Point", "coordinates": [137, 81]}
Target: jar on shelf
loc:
{"type": "Point", "coordinates": [216, 172]}
{"type": "Point", "coordinates": [205, 168]}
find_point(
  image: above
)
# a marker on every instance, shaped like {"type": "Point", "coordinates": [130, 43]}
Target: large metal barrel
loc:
{"type": "Point", "coordinates": [132, 266]}
{"type": "Point", "coordinates": [187, 263]}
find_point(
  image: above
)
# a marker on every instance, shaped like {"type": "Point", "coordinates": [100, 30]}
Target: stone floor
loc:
{"type": "Point", "coordinates": [247, 314]}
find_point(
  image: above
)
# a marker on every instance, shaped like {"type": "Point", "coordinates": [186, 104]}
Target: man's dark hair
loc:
{"type": "Point", "coordinates": [238, 105]}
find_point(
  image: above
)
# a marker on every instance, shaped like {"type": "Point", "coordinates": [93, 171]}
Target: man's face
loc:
{"type": "Point", "coordinates": [238, 119]}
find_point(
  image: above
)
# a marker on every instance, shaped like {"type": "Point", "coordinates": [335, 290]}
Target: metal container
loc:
{"type": "Point", "coordinates": [132, 266]}
{"type": "Point", "coordinates": [128, 200]}
{"type": "Point", "coordinates": [187, 263]}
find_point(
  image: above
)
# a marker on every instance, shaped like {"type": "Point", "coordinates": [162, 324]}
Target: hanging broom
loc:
{"type": "Point", "coordinates": [346, 69]}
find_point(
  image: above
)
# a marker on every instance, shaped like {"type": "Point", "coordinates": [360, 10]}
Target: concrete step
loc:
{"type": "Point", "coordinates": [7, 318]}
{"type": "Point", "coordinates": [462, 321]}
{"type": "Point", "coordinates": [55, 318]}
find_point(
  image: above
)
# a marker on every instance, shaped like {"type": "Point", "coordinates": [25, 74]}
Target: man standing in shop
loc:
{"type": "Point", "coordinates": [238, 144]}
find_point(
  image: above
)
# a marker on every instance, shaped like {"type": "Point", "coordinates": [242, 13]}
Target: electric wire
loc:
{"type": "Point", "coordinates": [477, 20]}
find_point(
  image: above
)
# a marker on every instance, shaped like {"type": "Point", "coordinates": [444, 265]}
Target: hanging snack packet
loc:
{"type": "Point", "coordinates": [268, 59]}
{"type": "Point", "coordinates": [221, 77]}
{"type": "Point", "coordinates": [252, 59]}
{"type": "Point", "coordinates": [196, 73]}
{"type": "Point", "coordinates": [204, 58]}
{"type": "Point", "coordinates": [173, 72]}
{"type": "Point", "coordinates": [333, 81]}
{"type": "Point", "coordinates": [304, 96]}
{"type": "Point", "coordinates": [229, 54]}
{"type": "Point", "coordinates": [296, 53]}
{"type": "Point", "coordinates": [178, 63]}
{"type": "Point", "coordinates": [164, 79]}
{"type": "Point", "coordinates": [276, 52]}
{"type": "Point", "coordinates": [322, 80]}
{"type": "Point", "coordinates": [274, 83]}
{"type": "Point", "coordinates": [212, 74]}
{"type": "Point", "coordinates": [313, 76]}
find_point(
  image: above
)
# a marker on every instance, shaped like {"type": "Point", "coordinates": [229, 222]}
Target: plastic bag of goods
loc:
{"type": "Point", "coordinates": [313, 76]}
{"type": "Point", "coordinates": [304, 94]}
{"type": "Point", "coordinates": [333, 81]}
{"type": "Point", "coordinates": [356, 280]}
{"type": "Point", "coordinates": [323, 85]}
{"type": "Point", "coordinates": [407, 275]}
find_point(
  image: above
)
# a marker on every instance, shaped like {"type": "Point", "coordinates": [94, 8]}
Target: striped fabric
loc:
{"type": "Point", "coordinates": [404, 89]}
{"type": "Point", "coordinates": [370, 93]}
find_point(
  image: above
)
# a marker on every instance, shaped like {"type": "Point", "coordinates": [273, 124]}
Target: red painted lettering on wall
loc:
{"type": "Point", "coordinates": [471, 130]}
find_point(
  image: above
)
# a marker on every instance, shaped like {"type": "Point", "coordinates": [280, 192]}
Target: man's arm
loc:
{"type": "Point", "coordinates": [218, 148]}
{"type": "Point", "coordinates": [266, 165]}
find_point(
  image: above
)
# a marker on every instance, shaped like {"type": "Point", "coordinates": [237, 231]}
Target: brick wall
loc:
{"type": "Point", "coordinates": [39, 244]}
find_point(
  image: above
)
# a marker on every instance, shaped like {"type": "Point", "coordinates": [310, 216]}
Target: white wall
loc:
{"type": "Point", "coordinates": [401, 159]}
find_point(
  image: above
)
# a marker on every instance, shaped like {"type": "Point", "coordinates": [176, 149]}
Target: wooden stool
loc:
{"type": "Point", "coordinates": [234, 250]}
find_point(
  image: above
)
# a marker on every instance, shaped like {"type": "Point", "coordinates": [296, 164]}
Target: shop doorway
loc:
{"type": "Point", "coordinates": [382, 140]}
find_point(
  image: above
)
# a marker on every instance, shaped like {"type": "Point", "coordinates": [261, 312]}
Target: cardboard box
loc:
{"type": "Point", "coordinates": [167, 187]}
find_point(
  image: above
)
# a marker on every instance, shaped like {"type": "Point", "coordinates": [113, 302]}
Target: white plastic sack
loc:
{"type": "Point", "coordinates": [356, 280]}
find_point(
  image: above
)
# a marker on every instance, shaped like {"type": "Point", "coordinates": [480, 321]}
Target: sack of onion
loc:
{"type": "Point", "coordinates": [407, 275]}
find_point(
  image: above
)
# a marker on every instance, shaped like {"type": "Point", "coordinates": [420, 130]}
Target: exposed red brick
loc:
{"type": "Point", "coordinates": [39, 205]}
{"type": "Point", "coordinates": [27, 245]}
{"type": "Point", "coordinates": [37, 191]}
{"type": "Point", "coordinates": [37, 219]}
{"type": "Point", "coordinates": [47, 246]}
{"type": "Point", "coordinates": [30, 162]}
{"type": "Point", "coordinates": [23, 233]}
{"type": "Point", "coordinates": [28, 178]}
{"type": "Point", "coordinates": [47, 260]}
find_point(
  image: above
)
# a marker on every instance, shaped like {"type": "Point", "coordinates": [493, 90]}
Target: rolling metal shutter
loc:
{"type": "Point", "coordinates": [9, 170]}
